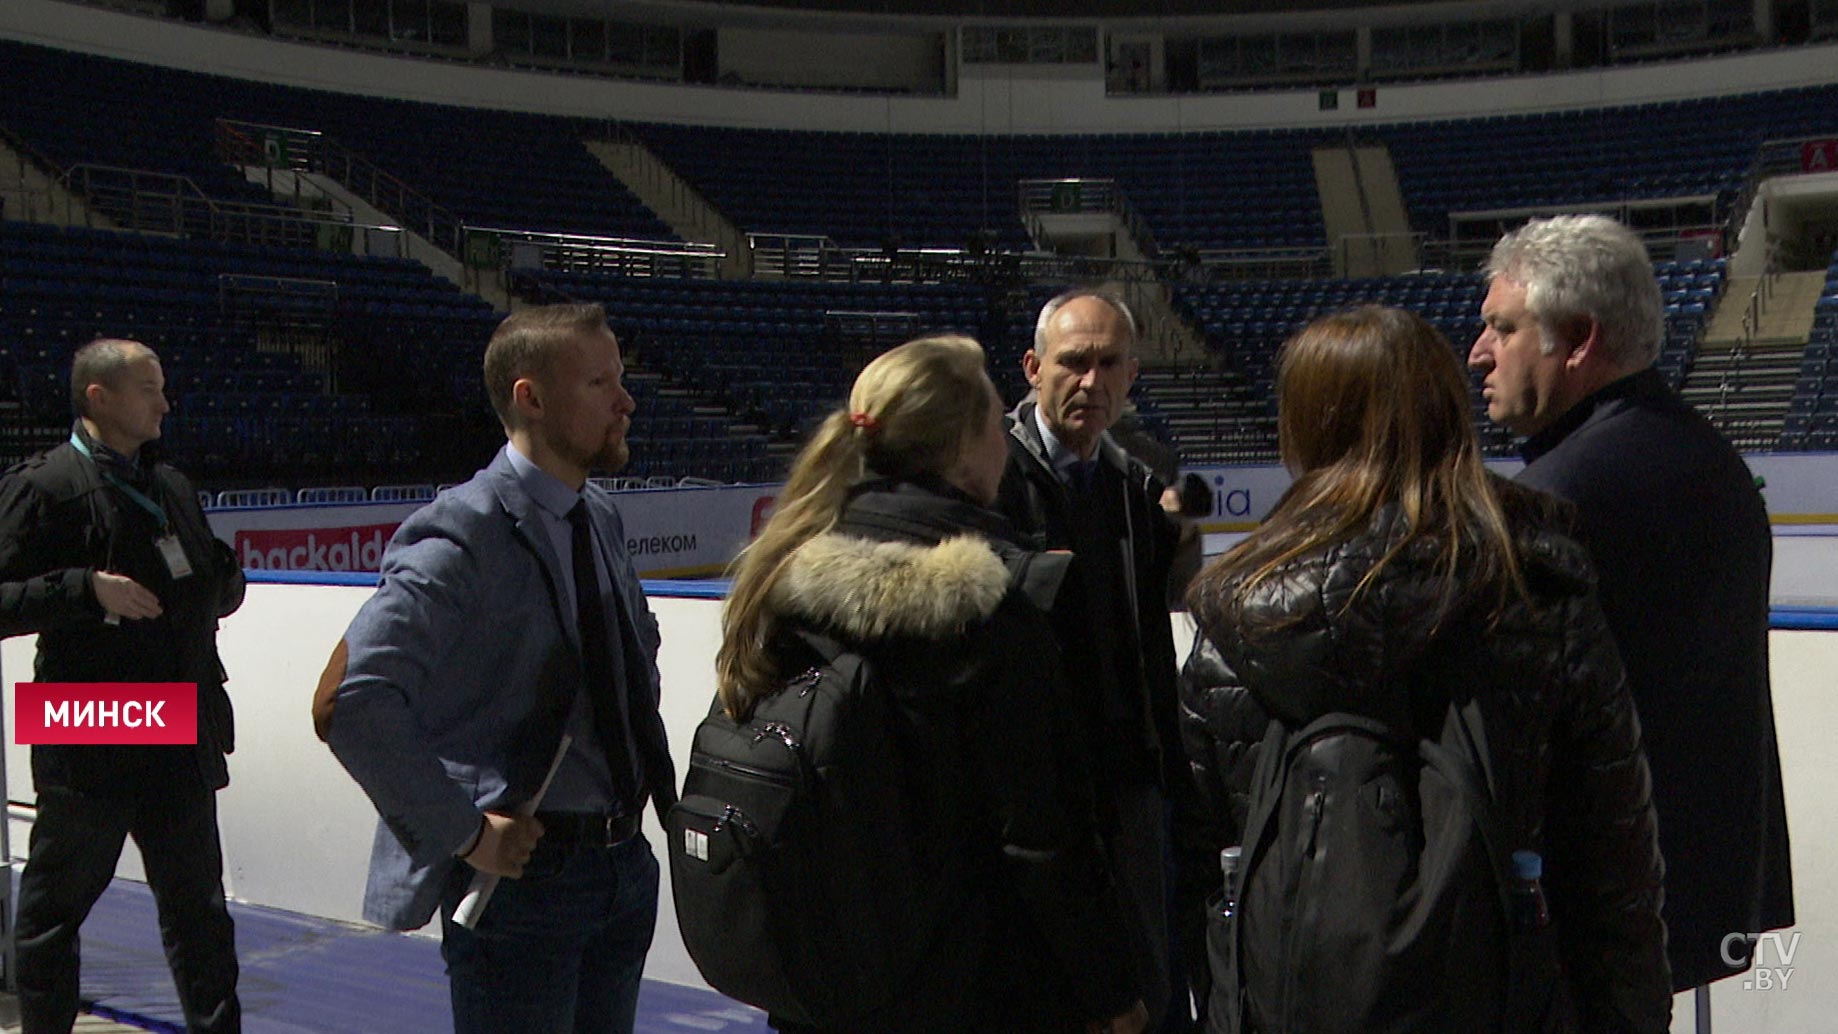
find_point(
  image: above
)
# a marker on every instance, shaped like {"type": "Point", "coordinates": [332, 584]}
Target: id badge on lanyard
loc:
{"type": "Point", "coordinates": [172, 551]}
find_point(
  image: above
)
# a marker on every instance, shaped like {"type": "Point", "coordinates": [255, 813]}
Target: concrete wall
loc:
{"type": "Point", "coordinates": [913, 61]}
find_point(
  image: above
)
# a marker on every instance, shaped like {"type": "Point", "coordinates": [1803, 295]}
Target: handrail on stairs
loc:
{"type": "Point", "coordinates": [309, 150]}
{"type": "Point", "coordinates": [1075, 195]}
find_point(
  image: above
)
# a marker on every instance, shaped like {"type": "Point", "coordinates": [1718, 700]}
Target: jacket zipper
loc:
{"type": "Point", "coordinates": [1315, 807]}
{"type": "Point", "coordinates": [744, 771]}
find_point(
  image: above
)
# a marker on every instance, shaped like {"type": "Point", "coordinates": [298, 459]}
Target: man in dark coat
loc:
{"type": "Point", "coordinates": [1069, 485]}
{"type": "Point", "coordinates": [1680, 535]}
{"type": "Point", "coordinates": [105, 554]}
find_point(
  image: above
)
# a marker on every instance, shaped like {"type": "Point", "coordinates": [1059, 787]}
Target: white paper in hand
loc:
{"type": "Point", "coordinates": [472, 906]}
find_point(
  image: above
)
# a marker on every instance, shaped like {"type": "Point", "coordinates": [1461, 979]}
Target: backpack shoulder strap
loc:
{"type": "Point", "coordinates": [1267, 780]}
{"type": "Point", "coordinates": [1468, 766]}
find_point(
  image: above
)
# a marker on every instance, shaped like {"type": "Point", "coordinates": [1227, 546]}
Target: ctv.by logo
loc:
{"type": "Point", "coordinates": [1762, 978]}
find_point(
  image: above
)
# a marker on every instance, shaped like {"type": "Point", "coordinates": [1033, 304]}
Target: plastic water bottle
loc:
{"type": "Point", "coordinates": [1529, 910]}
{"type": "Point", "coordinates": [1228, 866]}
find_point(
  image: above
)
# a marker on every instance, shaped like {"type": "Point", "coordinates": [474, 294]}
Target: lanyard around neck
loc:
{"type": "Point", "coordinates": [140, 498]}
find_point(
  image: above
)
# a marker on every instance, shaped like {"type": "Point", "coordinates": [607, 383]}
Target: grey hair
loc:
{"type": "Point", "coordinates": [1586, 265]}
{"type": "Point", "coordinates": [1105, 295]}
{"type": "Point", "coordinates": [102, 362]}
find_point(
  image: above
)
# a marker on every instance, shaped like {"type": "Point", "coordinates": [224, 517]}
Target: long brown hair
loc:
{"type": "Point", "coordinates": [910, 412]}
{"type": "Point", "coordinates": [1373, 411]}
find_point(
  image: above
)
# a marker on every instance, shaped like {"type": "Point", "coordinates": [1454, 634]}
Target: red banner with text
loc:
{"type": "Point", "coordinates": [1819, 156]}
{"type": "Point", "coordinates": [96, 713]}
{"type": "Point", "coordinates": [314, 549]}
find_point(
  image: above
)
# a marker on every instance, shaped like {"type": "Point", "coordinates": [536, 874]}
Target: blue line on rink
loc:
{"type": "Point", "coordinates": [263, 576]}
{"type": "Point", "coordinates": [1817, 619]}
{"type": "Point", "coordinates": [306, 975]}
{"type": "Point", "coordinates": [1820, 618]}
{"type": "Point", "coordinates": [681, 588]}
{"type": "Point", "coordinates": [689, 589]}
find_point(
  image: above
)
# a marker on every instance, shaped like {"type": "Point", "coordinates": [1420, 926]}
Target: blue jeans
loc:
{"type": "Point", "coordinates": [559, 951]}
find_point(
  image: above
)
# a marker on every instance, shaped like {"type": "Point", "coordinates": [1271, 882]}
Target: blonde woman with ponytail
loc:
{"type": "Point", "coordinates": [883, 544]}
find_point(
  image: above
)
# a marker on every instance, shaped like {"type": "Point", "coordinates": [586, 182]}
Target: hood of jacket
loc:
{"type": "Point", "coordinates": [1309, 641]}
{"type": "Point", "coordinates": [908, 561]}
{"type": "Point", "coordinates": [868, 590]}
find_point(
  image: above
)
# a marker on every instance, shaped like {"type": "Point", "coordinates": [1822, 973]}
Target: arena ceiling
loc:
{"type": "Point", "coordinates": [1055, 9]}
{"type": "Point", "coordinates": [1137, 13]}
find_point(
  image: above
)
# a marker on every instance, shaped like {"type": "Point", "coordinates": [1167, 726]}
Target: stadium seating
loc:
{"type": "Point", "coordinates": [1245, 322]}
{"type": "Point", "coordinates": [1812, 415]}
{"type": "Point", "coordinates": [765, 357]}
{"type": "Point", "coordinates": [754, 359]}
{"type": "Point", "coordinates": [251, 367]}
{"type": "Point", "coordinates": [492, 168]}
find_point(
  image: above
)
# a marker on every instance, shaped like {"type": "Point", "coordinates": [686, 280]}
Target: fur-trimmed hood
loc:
{"type": "Point", "coordinates": [868, 590]}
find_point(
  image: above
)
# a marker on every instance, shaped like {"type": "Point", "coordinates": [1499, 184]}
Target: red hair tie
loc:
{"type": "Point", "coordinates": [865, 422]}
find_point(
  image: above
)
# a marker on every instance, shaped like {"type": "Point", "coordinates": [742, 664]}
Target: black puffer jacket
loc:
{"type": "Point", "coordinates": [928, 586]}
{"type": "Point", "coordinates": [1560, 722]}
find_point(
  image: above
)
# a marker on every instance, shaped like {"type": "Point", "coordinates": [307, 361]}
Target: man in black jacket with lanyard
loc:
{"type": "Point", "coordinates": [1070, 486]}
{"type": "Point", "coordinates": [105, 554]}
{"type": "Point", "coordinates": [1680, 538]}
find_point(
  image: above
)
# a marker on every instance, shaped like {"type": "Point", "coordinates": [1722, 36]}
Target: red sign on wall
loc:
{"type": "Point", "coordinates": [92, 713]}
{"type": "Point", "coordinates": [1819, 156]}
{"type": "Point", "coordinates": [314, 549]}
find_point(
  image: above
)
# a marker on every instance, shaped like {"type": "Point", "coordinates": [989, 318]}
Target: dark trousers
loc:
{"type": "Point", "coordinates": [558, 951]}
{"type": "Point", "coordinates": [1138, 855]}
{"type": "Point", "coordinates": [75, 844]}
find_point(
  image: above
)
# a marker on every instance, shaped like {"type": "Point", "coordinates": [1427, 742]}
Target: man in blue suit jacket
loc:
{"type": "Point", "coordinates": [484, 644]}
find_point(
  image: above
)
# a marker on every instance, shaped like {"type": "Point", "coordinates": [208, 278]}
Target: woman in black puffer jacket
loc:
{"type": "Point", "coordinates": [883, 546]}
{"type": "Point", "coordinates": [1395, 582]}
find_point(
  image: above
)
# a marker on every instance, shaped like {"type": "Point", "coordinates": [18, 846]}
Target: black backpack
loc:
{"type": "Point", "coordinates": [800, 883]}
{"type": "Point", "coordinates": [1376, 891]}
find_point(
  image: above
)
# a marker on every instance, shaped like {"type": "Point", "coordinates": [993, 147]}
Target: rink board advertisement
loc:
{"type": "Point", "coordinates": [1800, 488]}
{"type": "Point", "coordinates": [694, 532]}
{"type": "Point", "coordinates": [670, 533]}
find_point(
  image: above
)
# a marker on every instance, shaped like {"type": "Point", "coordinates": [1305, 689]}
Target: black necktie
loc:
{"type": "Point", "coordinates": [603, 685]}
{"type": "Point", "coordinates": [1079, 474]}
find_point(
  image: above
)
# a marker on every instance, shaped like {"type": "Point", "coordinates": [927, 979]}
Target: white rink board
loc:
{"type": "Point", "coordinates": [297, 830]}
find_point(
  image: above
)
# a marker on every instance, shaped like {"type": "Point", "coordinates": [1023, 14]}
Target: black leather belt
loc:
{"type": "Point", "coordinates": [588, 827]}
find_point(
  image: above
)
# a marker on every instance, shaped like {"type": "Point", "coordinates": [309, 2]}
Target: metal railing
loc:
{"type": "Point", "coordinates": [250, 292]}
{"type": "Point", "coordinates": [1744, 346]}
{"type": "Point", "coordinates": [163, 202]}
{"type": "Point", "coordinates": [815, 257]}
{"type": "Point", "coordinates": [789, 255]}
{"type": "Point", "coordinates": [1662, 224]}
{"type": "Point", "coordinates": [1261, 264]}
{"type": "Point", "coordinates": [1378, 246]}
{"type": "Point", "coordinates": [515, 250]}
{"type": "Point", "coordinates": [276, 155]}
{"type": "Point", "coordinates": [1040, 198]}
{"type": "Point", "coordinates": [1783, 157]}
{"type": "Point", "coordinates": [872, 324]}
{"type": "Point", "coordinates": [28, 205]}
{"type": "Point", "coordinates": [26, 202]}
{"type": "Point", "coordinates": [478, 248]}
{"type": "Point", "coordinates": [308, 150]}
